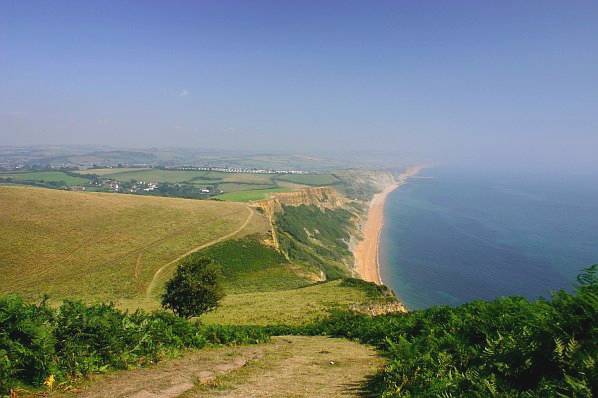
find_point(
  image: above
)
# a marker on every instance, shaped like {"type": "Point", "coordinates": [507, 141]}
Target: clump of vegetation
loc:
{"type": "Point", "coordinates": [39, 343]}
{"type": "Point", "coordinates": [373, 290]}
{"type": "Point", "coordinates": [509, 347]}
{"type": "Point", "coordinates": [195, 288]}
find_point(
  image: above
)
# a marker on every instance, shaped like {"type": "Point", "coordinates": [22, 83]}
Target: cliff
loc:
{"type": "Point", "coordinates": [323, 197]}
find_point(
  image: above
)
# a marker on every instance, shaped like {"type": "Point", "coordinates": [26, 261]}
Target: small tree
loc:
{"type": "Point", "coordinates": [195, 288]}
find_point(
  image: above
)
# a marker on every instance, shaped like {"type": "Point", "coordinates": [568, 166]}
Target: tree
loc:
{"type": "Point", "coordinates": [195, 288]}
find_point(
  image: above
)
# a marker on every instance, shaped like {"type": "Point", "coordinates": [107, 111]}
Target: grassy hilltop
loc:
{"type": "Point", "coordinates": [104, 246]}
{"type": "Point", "coordinates": [123, 248]}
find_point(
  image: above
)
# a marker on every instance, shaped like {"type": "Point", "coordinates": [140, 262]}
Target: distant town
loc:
{"type": "Point", "coordinates": [238, 170]}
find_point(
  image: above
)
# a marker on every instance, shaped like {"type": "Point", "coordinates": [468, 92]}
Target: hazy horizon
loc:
{"type": "Point", "coordinates": [509, 84]}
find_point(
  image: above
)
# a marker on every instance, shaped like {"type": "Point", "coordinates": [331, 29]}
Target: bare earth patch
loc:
{"type": "Point", "coordinates": [289, 366]}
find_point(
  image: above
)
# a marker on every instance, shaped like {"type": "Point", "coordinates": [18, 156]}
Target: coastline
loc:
{"type": "Point", "coordinates": [367, 251]}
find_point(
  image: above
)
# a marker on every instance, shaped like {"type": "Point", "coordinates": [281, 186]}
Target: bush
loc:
{"type": "Point", "coordinates": [27, 342]}
{"type": "Point", "coordinates": [195, 288]}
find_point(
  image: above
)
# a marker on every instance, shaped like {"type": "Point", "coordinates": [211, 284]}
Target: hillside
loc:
{"type": "Point", "coordinates": [104, 246]}
{"type": "Point", "coordinates": [107, 246]}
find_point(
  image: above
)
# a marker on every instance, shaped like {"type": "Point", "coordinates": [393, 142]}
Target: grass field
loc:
{"type": "Point", "coordinates": [178, 176]}
{"type": "Point", "coordinates": [236, 187]}
{"type": "Point", "coordinates": [157, 175]}
{"type": "Point", "coordinates": [102, 246]}
{"type": "Point", "coordinates": [46, 176]}
{"type": "Point", "coordinates": [310, 179]}
{"type": "Point", "coordinates": [247, 196]}
{"type": "Point", "coordinates": [289, 307]}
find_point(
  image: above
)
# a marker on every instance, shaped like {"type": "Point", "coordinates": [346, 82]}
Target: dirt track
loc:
{"type": "Point", "coordinates": [289, 366]}
{"type": "Point", "coordinates": [153, 282]}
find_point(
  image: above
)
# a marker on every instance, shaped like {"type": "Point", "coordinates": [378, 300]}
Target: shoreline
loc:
{"type": "Point", "coordinates": [367, 250]}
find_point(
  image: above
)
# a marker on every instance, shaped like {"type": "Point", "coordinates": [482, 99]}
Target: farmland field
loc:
{"type": "Point", "coordinates": [103, 246]}
{"type": "Point", "coordinates": [45, 176]}
{"type": "Point", "coordinates": [247, 196]}
{"type": "Point", "coordinates": [235, 187]}
{"type": "Point", "coordinates": [310, 179]}
{"type": "Point", "coordinates": [157, 175]}
{"type": "Point", "coordinates": [111, 170]}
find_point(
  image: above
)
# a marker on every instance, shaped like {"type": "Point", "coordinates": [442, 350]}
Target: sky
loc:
{"type": "Point", "coordinates": [488, 81]}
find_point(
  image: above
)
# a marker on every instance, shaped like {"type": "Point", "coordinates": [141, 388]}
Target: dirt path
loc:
{"type": "Point", "coordinates": [289, 366]}
{"type": "Point", "coordinates": [154, 281]}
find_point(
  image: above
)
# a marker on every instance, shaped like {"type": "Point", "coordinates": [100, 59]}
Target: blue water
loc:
{"type": "Point", "coordinates": [458, 236]}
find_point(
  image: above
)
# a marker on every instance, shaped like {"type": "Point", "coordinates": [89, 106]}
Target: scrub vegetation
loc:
{"type": "Point", "coordinates": [40, 345]}
{"type": "Point", "coordinates": [509, 347]}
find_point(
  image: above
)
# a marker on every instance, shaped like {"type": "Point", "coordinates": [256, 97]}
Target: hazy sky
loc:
{"type": "Point", "coordinates": [494, 80]}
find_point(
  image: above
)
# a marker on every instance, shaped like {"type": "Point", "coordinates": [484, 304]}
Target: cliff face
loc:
{"type": "Point", "coordinates": [323, 197]}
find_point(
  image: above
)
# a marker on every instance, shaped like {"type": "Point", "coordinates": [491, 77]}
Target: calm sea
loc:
{"type": "Point", "coordinates": [457, 236]}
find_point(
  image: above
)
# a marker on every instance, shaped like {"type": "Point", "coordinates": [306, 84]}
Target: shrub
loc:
{"type": "Point", "coordinates": [195, 288]}
{"type": "Point", "coordinates": [27, 343]}
{"type": "Point", "coordinates": [509, 347]}
{"type": "Point", "coordinates": [76, 339]}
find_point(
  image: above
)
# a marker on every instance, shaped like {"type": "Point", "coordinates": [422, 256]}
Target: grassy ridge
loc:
{"type": "Point", "coordinates": [249, 266]}
{"type": "Point", "coordinates": [101, 246]}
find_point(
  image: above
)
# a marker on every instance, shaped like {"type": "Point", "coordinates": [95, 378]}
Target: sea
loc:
{"type": "Point", "coordinates": [451, 235]}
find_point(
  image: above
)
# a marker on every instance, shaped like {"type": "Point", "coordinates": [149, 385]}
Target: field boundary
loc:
{"type": "Point", "coordinates": [154, 281]}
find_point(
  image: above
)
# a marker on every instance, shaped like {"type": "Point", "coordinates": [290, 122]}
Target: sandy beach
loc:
{"type": "Point", "coordinates": [367, 250]}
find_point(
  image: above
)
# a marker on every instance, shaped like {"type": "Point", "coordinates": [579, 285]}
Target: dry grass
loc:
{"type": "Point", "coordinates": [102, 246]}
